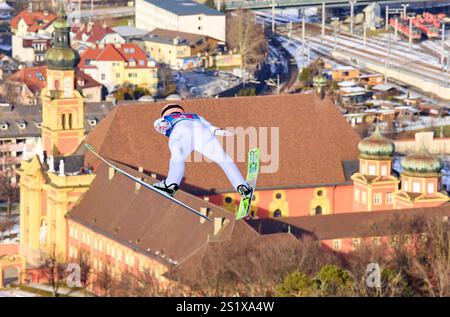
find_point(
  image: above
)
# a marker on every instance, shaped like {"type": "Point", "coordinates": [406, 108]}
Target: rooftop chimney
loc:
{"type": "Point", "coordinates": [111, 173]}
{"type": "Point", "coordinates": [89, 26]}
{"type": "Point", "coordinates": [219, 224]}
{"type": "Point", "coordinates": [204, 211]}
{"type": "Point", "coordinates": [137, 186]}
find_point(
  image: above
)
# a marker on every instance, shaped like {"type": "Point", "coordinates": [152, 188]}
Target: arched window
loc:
{"type": "Point", "coordinates": [70, 121]}
{"type": "Point", "coordinates": [318, 210]}
{"type": "Point", "coordinates": [277, 213]}
{"type": "Point", "coordinates": [63, 121]}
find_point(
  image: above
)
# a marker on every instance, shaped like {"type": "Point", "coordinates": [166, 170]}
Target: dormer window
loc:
{"type": "Point", "coordinates": [92, 121]}
{"type": "Point", "coordinates": [21, 124]}
{"type": "Point", "coordinates": [4, 125]}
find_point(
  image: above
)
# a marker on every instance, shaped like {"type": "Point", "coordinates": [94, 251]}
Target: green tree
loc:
{"type": "Point", "coordinates": [334, 281]}
{"type": "Point", "coordinates": [306, 76]}
{"type": "Point", "coordinates": [394, 284]}
{"type": "Point", "coordinates": [140, 91]}
{"type": "Point", "coordinates": [296, 284]}
{"type": "Point", "coordinates": [210, 3]}
{"type": "Point", "coordinates": [247, 92]}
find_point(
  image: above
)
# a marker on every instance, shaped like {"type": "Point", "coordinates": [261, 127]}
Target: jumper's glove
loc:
{"type": "Point", "coordinates": [221, 132]}
{"type": "Point", "coordinates": [162, 126]}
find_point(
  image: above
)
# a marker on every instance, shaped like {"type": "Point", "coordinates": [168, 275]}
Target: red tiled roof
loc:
{"type": "Point", "coordinates": [30, 77]}
{"type": "Point", "coordinates": [111, 52]}
{"type": "Point", "coordinates": [35, 20]}
{"type": "Point", "coordinates": [95, 34]}
{"type": "Point", "coordinates": [314, 139]}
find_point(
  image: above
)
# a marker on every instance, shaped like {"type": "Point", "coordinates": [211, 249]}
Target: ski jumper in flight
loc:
{"type": "Point", "coordinates": [189, 132]}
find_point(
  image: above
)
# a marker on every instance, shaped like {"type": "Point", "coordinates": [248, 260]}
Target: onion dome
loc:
{"type": "Point", "coordinates": [61, 56]}
{"type": "Point", "coordinates": [422, 163]}
{"type": "Point", "coordinates": [319, 81]}
{"type": "Point", "coordinates": [376, 146]}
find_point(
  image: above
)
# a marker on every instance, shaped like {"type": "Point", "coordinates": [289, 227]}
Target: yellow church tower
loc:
{"type": "Point", "coordinates": [51, 182]}
{"type": "Point", "coordinates": [62, 104]}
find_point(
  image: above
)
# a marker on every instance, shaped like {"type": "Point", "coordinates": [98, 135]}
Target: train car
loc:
{"type": "Point", "coordinates": [403, 29]}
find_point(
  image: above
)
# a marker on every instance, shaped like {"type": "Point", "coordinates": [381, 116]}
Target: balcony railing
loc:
{"type": "Point", "coordinates": [14, 147]}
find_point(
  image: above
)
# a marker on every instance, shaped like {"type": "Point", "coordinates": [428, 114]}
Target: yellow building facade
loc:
{"type": "Point", "coordinates": [47, 193]}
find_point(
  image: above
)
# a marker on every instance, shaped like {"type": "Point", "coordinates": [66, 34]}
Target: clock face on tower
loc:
{"type": "Point", "coordinates": [67, 87]}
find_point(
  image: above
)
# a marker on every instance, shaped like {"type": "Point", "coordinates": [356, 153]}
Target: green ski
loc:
{"type": "Point", "coordinates": [252, 175]}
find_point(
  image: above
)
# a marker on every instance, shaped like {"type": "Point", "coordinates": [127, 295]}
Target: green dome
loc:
{"type": "Point", "coordinates": [319, 81]}
{"type": "Point", "coordinates": [422, 163]}
{"type": "Point", "coordinates": [62, 58]}
{"type": "Point", "coordinates": [376, 146]}
{"type": "Point", "coordinates": [61, 23]}
{"type": "Point", "coordinates": [61, 55]}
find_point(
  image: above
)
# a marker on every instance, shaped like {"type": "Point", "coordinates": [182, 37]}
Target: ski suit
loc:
{"type": "Point", "coordinates": [188, 132]}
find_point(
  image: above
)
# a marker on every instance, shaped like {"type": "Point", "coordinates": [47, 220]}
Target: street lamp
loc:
{"type": "Point", "coordinates": [404, 6]}
{"type": "Point", "coordinates": [335, 23]}
{"type": "Point", "coordinates": [443, 43]}
{"type": "Point", "coordinates": [352, 12]}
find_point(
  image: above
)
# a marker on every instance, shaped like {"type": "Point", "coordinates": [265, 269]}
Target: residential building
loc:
{"type": "Point", "coordinates": [29, 21]}
{"type": "Point", "coordinates": [170, 47]}
{"type": "Point", "coordinates": [25, 86]}
{"type": "Point", "coordinates": [30, 48]}
{"type": "Point", "coordinates": [116, 64]}
{"type": "Point", "coordinates": [92, 34]}
{"type": "Point", "coordinates": [345, 73]}
{"type": "Point", "coordinates": [186, 16]}
{"type": "Point", "coordinates": [19, 133]}
{"type": "Point", "coordinates": [31, 35]}
{"type": "Point", "coordinates": [20, 130]}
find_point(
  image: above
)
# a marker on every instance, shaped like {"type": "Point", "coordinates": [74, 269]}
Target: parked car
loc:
{"type": "Point", "coordinates": [5, 15]}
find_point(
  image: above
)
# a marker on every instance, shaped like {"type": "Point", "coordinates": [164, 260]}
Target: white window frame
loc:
{"type": "Point", "coordinates": [430, 188]}
{"type": "Point", "coordinates": [377, 199]}
{"type": "Point", "coordinates": [357, 194]}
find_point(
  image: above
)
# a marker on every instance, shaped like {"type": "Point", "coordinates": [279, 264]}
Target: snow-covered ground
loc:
{"type": "Point", "coordinates": [16, 293]}
{"type": "Point", "coordinates": [12, 235]}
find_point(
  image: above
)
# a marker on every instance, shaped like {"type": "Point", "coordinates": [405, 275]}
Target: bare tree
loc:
{"type": "Point", "coordinates": [251, 268]}
{"type": "Point", "coordinates": [8, 188]}
{"type": "Point", "coordinates": [55, 268]}
{"type": "Point", "coordinates": [6, 224]}
{"type": "Point", "coordinates": [247, 38]}
{"type": "Point", "coordinates": [431, 263]}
